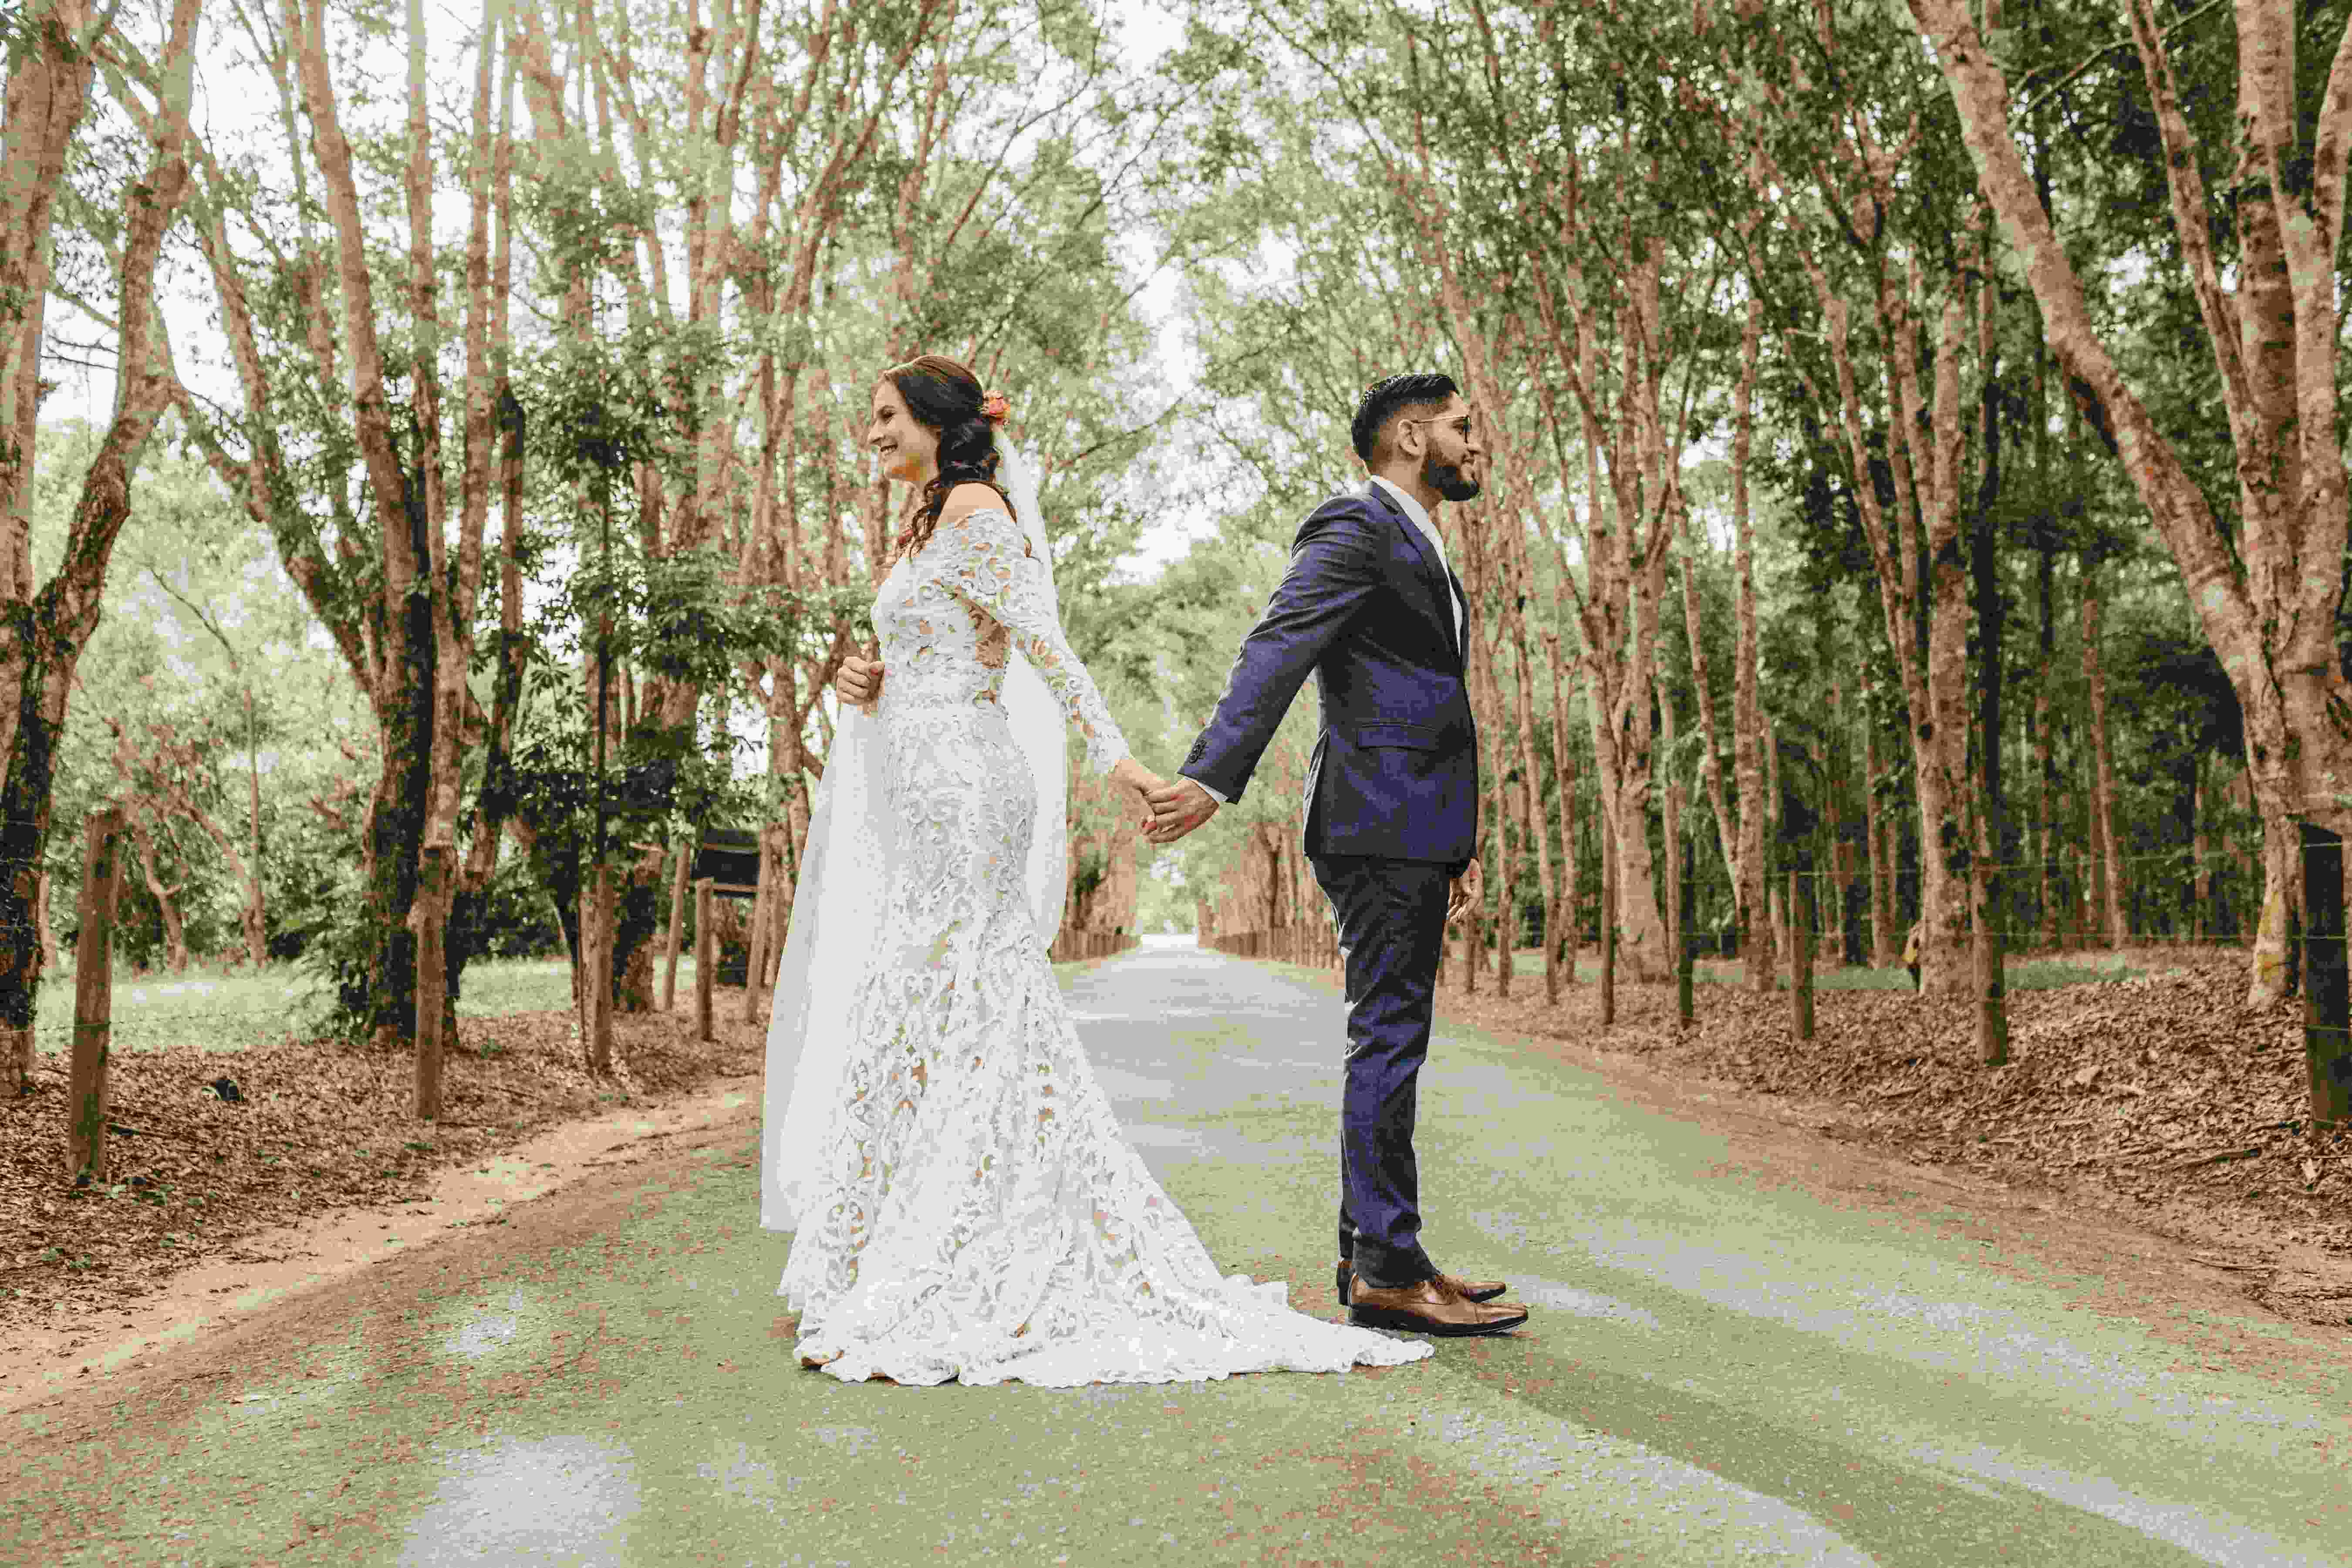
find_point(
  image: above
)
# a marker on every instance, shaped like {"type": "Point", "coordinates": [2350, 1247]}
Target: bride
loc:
{"type": "Point", "coordinates": [963, 1202]}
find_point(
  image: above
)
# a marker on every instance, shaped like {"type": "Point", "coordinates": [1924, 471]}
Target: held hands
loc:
{"type": "Point", "coordinates": [1142, 782]}
{"type": "Point", "coordinates": [859, 682]}
{"type": "Point", "coordinates": [1467, 888]}
{"type": "Point", "coordinates": [1177, 809]}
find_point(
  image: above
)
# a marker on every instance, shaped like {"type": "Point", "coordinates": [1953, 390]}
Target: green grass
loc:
{"type": "Point", "coordinates": [538, 985]}
{"type": "Point", "coordinates": [2024, 975]}
{"type": "Point", "coordinates": [228, 1011]}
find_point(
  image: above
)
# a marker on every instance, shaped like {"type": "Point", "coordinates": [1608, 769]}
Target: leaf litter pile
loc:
{"type": "Point", "coordinates": [2163, 1090]}
{"type": "Point", "coordinates": [205, 1150]}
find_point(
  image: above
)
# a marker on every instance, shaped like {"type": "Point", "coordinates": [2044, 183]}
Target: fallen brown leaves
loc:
{"type": "Point", "coordinates": [314, 1127]}
{"type": "Point", "coordinates": [2163, 1089]}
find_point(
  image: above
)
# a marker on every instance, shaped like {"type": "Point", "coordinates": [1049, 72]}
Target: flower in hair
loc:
{"type": "Point", "coordinates": [994, 407]}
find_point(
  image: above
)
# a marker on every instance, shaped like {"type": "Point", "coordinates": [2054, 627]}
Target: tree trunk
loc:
{"type": "Point", "coordinates": [2267, 584]}
{"type": "Point", "coordinates": [705, 957]}
{"type": "Point", "coordinates": [755, 934]}
{"type": "Point", "coordinates": [1987, 916]}
{"type": "Point", "coordinates": [175, 930]}
{"type": "Point", "coordinates": [780, 908]}
{"type": "Point", "coordinates": [2276, 970]}
{"type": "Point", "coordinates": [43, 632]}
{"type": "Point", "coordinates": [1726, 828]}
{"type": "Point", "coordinates": [87, 1085]}
{"type": "Point", "coordinates": [2110, 866]}
{"type": "Point", "coordinates": [595, 983]}
{"type": "Point", "coordinates": [2327, 986]}
{"type": "Point", "coordinates": [1563, 767]}
{"type": "Point", "coordinates": [2049, 882]}
{"type": "Point", "coordinates": [1498, 812]}
{"type": "Point", "coordinates": [178, 799]}
{"type": "Point", "coordinates": [1672, 809]}
{"type": "Point", "coordinates": [1914, 558]}
{"type": "Point", "coordinates": [1628, 525]}
{"type": "Point", "coordinates": [2203, 921]}
{"type": "Point", "coordinates": [1840, 871]}
{"type": "Point", "coordinates": [1686, 956]}
{"type": "Point", "coordinates": [1473, 957]}
{"type": "Point", "coordinates": [1878, 841]}
{"type": "Point", "coordinates": [257, 901]}
{"type": "Point", "coordinates": [1531, 796]}
{"type": "Point", "coordinates": [379, 1000]}
{"type": "Point", "coordinates": [45, 933]}
{"type": "Point", "coordinates": [1608, 927]}
{"type": "Point", "coordinates": [1775, 908]}
{"type": "Point", "coordinates": [49, 67]}
{"type": "Point", "coordinates": [1748, 710]}
{"type": "Point", "coordinates": [433, 1015]}
{"type": "Point", "coordinates": [1800, 956]}
{"type": "Point", "coordinates": [636, 925]}
{"type": "Point", "coordinates": [1939, 712]}
{"type": "Point", "coordinates": [677, 925]}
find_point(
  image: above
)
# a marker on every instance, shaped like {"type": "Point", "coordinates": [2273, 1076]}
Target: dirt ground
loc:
{"type": "Point", "coordinates": [2154, 1133]}
{"type": "Point", "coordinates": [2147, 1137]}
{"type": "Point", "coordinates": [206, 1151]}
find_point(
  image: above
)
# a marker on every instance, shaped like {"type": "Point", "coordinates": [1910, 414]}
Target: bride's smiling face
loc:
{"type": "Point", "coordinates": [908, 448]}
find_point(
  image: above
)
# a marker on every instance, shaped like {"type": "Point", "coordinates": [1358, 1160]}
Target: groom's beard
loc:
{"type": "Point", "coordinates": [1448, 480]}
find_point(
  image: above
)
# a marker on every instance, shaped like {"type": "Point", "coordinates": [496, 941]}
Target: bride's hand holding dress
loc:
{"type": "Point", "coordinates": [858, 682]}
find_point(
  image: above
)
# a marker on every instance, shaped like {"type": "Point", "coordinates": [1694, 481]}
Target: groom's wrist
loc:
{"type": "Point", "coordinates": [1209, 790]}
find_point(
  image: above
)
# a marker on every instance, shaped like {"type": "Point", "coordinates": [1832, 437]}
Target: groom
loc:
{"type": "Point", "coordinates": [1369, 606]}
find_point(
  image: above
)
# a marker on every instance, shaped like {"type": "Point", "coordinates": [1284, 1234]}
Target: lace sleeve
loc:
{"type": "Point", "coordinates": [988, 566]}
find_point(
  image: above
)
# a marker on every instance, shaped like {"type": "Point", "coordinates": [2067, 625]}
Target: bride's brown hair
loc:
{"type": "Point", "coordinates": [944, 396]}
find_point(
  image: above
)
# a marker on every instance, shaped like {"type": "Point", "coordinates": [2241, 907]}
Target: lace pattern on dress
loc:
{"type": "Point", "coordinates": [977, 1213]}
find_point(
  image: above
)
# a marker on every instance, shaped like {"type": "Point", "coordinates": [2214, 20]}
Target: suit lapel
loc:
{"type": "Point", "coordinates": [1436, 570]}
{"type": "Point", "coordinates": [1462, 626]}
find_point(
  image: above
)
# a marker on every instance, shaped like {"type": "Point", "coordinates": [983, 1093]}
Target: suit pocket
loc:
{"type": "Point", "coordinates": [1408, 737]}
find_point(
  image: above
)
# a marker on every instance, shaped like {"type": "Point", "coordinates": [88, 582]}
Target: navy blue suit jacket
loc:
{"type": "Point", "coordinates": [1365, 606]}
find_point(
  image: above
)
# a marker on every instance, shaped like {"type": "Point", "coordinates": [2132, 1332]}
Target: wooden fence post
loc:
{"type": "Point", "coordinates": [102, 884]}
{"type": "Point", "coordinates": [2326, 979]}
{"type": "Point", "coordinates": [1608, 929]}
{"type": "Point", "coordinates": [676, 924]}
{"type": "Point", "coordinates": [755, 949]}
{"type": "Point", "coordinates": [1800, 957]}
{"type": "Point", "coordinates": [426, 916]}
{"type": "Point", "coordinates": [706, 958]}
{"type": "Point", "coordinates": [1686, 932]}
{"type": "Point", "coordinates": [597, 970]}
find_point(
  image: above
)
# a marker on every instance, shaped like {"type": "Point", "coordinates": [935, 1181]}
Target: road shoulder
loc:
{"type": "Point", "coordinates": [2186, 1282]}
{"type": "Point", "coordinates": [283, 1262]}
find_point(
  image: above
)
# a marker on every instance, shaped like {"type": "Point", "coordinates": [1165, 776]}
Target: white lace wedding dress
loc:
{"type": "Point", "coordinates": [977, 1214]}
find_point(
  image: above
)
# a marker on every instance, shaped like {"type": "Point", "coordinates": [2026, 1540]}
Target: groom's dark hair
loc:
{"type": "Point", "coordinates": [1383, 399]}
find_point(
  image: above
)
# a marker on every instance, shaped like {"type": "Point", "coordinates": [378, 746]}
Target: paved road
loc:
{"type": "Point", "coordinates": [1717, 1371]}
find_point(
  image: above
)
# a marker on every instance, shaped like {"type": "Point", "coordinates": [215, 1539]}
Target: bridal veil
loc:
{"type": "Point", "coordinates": [838, 907]}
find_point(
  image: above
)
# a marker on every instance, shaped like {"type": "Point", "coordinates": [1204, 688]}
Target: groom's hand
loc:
{"type": "Point", "coordinates": [1467, 888]}
{"type": "Point", "coordinates": [1177, 808]}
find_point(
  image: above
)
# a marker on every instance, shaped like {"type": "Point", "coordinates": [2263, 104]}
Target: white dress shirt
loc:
{"type": "Point", "coordinates": [1420, 520]}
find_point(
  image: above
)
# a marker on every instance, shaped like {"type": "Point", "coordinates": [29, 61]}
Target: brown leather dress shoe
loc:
{"type": "Point", "coordinates": [1432, 1307]}
{"type": "Point", "coordinates": [1476, 1289]}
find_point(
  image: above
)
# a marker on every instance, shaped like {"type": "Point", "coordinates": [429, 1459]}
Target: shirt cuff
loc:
{"type": "Point", "coordinates": [1219, 797]}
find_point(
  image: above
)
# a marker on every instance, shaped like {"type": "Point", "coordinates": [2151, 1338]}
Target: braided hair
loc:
{"type": "Point", "coordinates": [942, 395]}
